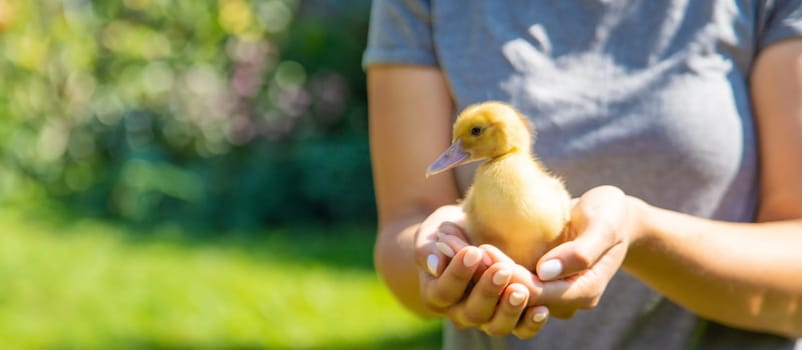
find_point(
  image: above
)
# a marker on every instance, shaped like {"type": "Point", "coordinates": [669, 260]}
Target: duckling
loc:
{"type": "Point", "coordinates": [513, 203]}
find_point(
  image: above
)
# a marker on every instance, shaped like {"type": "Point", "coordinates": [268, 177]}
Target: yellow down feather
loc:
{"type": "Point", "coordinates": [513, 203]}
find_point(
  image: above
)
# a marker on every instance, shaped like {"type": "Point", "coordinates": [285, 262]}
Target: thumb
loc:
{"type": "Point", "coordinates": [577, 255]}
{"type": "Point", "coordinates": [594, 218]}
{"type": "Point", "coordinates": [426, 254]}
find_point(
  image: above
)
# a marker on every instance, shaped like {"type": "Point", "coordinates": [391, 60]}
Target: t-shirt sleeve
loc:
{"type": "Point", "coordinates": [783, 21]}
{"type": "Point", "coordinates": [400, 32]}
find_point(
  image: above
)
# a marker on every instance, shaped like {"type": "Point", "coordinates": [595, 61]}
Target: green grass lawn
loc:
{"type": "Point", "coordinates": [82, 284]}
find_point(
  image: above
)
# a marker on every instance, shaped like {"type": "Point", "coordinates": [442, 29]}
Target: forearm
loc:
{"type": "Point", "coordinates": [394, 257]}
{"type": "Point", "coordinates": [410, 121]}
{"type": "Point", "coordinates": [745, 275]}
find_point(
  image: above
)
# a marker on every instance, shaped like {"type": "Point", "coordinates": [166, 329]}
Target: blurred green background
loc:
{"type": "Point", "coordinates": [189, 174]}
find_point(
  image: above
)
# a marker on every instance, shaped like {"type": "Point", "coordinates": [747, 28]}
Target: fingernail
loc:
{"type": "Point", "coordinates": [540, 316]}
{"type": "Point", "coordinates": [449, 229]}
{"type": "Point", "coordinates": [432, 261]}
{"type": "Point", "coordinates": [501, 277]}
{"type": "Point", "coordinates": [445, 249]}
{"type": "Point", "coordinates": [550, 269]}
{"type": "Point", "coordinates": [516, 298]}
{"type": "Point", "coordinates": [487, 260]}
{"type": "Point", "coordinates": [472, 257]}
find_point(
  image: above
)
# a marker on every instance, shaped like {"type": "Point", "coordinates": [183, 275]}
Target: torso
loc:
{"type": "Point", "coordinates": [649, 96]}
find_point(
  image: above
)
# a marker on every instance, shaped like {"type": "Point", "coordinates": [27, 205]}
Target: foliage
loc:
{"type": "Point", "coordinates": [228, 112]}
{"type": "Point", "coordinates": [89, 285]}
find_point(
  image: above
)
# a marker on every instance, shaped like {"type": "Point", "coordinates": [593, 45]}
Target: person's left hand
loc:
{"type": "Point", "coordinates": [577, 272]}
{"type": "Point", "coordinates": [574, 275]}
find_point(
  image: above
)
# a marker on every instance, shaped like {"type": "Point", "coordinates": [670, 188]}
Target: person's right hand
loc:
{"type": "Point", "coordinates": [471, 285]}
{"type": "Point", "coordinates": [442, 287]}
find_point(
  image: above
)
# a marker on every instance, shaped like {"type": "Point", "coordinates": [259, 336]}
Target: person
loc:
{"type": "Point", "coordinates": [677, 125]}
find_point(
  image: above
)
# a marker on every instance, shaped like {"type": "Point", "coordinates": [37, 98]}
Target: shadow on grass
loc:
{"type": "Point", "coordinates": [428, 340]}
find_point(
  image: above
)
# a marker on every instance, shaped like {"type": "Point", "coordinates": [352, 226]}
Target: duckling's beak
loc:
{"type": "Point", "coordinates": [450, 158]}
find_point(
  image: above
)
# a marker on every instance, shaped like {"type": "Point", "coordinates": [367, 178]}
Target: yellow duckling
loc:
{"type": "Point", "coordinates": [514, 203]}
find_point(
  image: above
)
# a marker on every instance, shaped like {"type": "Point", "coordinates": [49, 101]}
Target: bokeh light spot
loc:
{"type": "Point", "coordinates": [290, 74]}
{"type": "Point", "coordinates": [53, 140]}
{"type": "Point", "coordinates": [274, 15]}
{"type": "Point", "coordinates": [158, 77]}
{"type": "Point", "coordinates": [79, 177]}
{"type": "Point", "coordinates": [235, 16]}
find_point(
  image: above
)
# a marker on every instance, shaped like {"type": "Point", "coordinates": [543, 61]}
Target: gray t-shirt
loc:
{"type": "Point", "coordinates": [650, 95]}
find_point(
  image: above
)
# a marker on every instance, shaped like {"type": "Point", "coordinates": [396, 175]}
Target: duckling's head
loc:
{"type": "Point", "coordinates": [485, 131]}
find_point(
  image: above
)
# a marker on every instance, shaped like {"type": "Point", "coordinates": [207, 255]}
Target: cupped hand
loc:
{"type": "Point", "coordinates": [572, 276]}
{"type": "Point", "coordinates": [577, 272]}
{"type": "Point", "coordinates": [441, 285]}
{"type": "Point", "coordinates": [472, 285]}
{"type": "Point", "coordinates": [496, 304]}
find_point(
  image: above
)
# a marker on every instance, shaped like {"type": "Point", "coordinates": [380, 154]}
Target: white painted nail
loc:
{"type": "Point", "coordinates": [540, 316]}
{"type": "Point", "coordinates": [432, 262]}
{"type": "Point", "coordinates": [472, 257]}
{"type": "Point", "coordinates": [487, 260]}
{"type": "Point", "coordinates": [516, 298]}
{"type": "Point", "coordinates": [445, 249]}
{"type": "Point", "coordinates": [550, 269]}
{"type": "Point", "coordinates": [501, 277]}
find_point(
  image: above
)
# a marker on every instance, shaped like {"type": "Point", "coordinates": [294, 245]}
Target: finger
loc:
{"type": "Point", "coordinates": [496, 254]}
{"type": "Point", "coordinates": [583, 290]}
{"type": "Point", "coordinates": [427, 256]}
{"type": "Point", "coordinates": [481, 303]}
{"type": "Point", "coordinates": [594, 220]}
{"type": "Point", "coordinates": [578, 255]}
{"type": "Point", "coordinates": [509, 311]}
{"type": "Point", "coordinates": [449, 288]}
{"type": "Point", "coordinates": [433, 264]}
{"type": "Point", "coordinates": [426, 235]}
{"type": "Point", "coordinates": [454, 228]}
{"type": "Point", "coordinates": [562, 313]}
{"type": "Point", "coordinates": [596, 231]}
{"type": "Point", "coordinates": [565, 296]}
{"type": "Point", "coordinates": [449, 244]}
{"type": "Point", "coordinates": [520, 274]}
{"type": "Point", "coordinates": [446, 213]}
{"type": "Point", "coordinates": [531, 322]}
{"type": "Point", "coordinates": [426, 282]}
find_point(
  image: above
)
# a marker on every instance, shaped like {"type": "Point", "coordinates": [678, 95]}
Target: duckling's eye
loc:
{"type": "Point", "coordinates": [476, 131]}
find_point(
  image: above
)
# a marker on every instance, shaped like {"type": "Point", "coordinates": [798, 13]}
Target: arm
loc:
{"type": "Point", "coordinates": [747, 275]}
{"type": "Point", "coordinates": [743, 275]}
{"type": "Point", "coordinates": [410, 122]}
